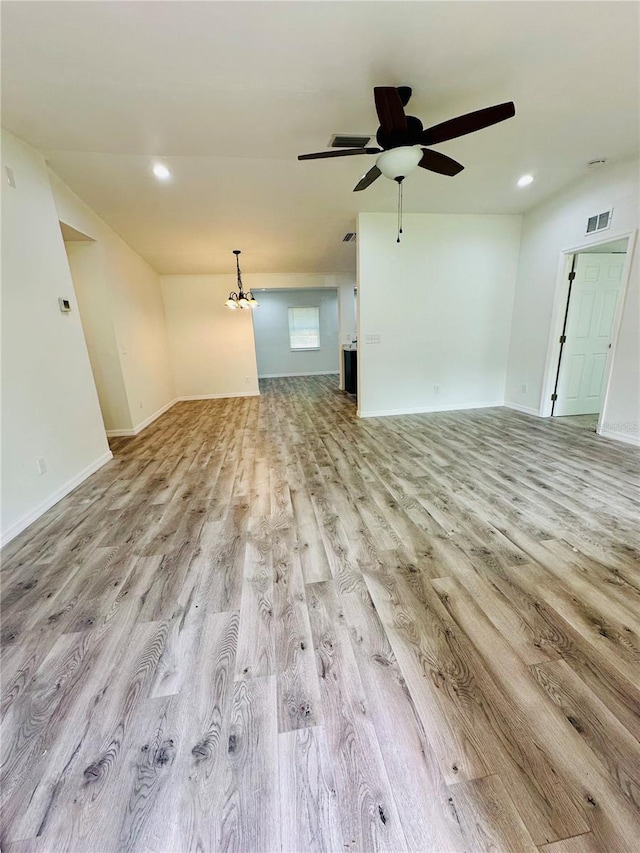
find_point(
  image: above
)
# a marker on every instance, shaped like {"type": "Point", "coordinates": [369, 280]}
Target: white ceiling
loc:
{"type": "Point", "coordinates": [227, 94]}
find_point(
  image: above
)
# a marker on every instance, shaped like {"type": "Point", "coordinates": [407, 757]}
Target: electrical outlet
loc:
{"type": "Point", "coordinates": [41, 464]}
{"type": "Point", "coordinates": [373, 339]}
{"type": "Point", "coordinates": [246, 380]}
{"type": "Point", "coordinates": [436, 389]}
{"type": "Point", "coordinates": [525, 388]}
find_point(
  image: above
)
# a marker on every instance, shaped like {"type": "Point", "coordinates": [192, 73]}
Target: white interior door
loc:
{"type": "Point", "coordinates": [593, 308]}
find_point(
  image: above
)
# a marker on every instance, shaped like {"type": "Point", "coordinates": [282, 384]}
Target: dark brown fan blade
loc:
{"type": "Point", "coordinates": [366, 181]}
{"type": "Point", "coordinates": [434, 161]}
{"type": "Point", "coordinates": [405, 94]}
{"type": "Point", "coordinates": [348, 152]}
{"type": "Point", "coordinates": [467, 123]}
{"type": "Point", "coordinates": [390, 110]}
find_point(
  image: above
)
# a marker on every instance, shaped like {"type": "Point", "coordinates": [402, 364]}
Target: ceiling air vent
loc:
{"type": "Point", "coordinates": [599, 222]}
{"type": "Point", "coordinates": [344, 141]}
{"type": "Point", "coordinates": [349, 237]}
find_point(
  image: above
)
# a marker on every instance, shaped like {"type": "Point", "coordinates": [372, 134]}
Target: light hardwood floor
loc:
{"type": "Point", "coordinates": [267, 625]}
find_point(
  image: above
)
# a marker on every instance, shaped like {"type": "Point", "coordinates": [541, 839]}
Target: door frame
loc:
{"type": "Point", "coordinates": [558, 314]}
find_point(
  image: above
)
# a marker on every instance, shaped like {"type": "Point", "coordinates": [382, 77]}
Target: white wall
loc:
{"type": "Point", "coordinates": [94, 303]}
{"type": "Point", "coordinates": [137, 313]}
{"type": "Point", "coordinates": [212, 348]}
{"type": "Point", "coordinates": [49, 402]}
{"type": "Point", "coordinates": [552, 227]}
{"type": "Point", "coordinates": [271, 329]}
{"type": "Point", "coordinates": [441, 302]}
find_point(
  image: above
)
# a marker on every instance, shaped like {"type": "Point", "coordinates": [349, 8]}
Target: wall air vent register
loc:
{"type": "Point", "coordinates": [599, 222]}
{"type": "Point", "coordinates": [342, 140]}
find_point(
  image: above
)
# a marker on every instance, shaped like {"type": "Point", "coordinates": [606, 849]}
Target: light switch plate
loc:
{"type": "Point", "coordinates": [373, 339]}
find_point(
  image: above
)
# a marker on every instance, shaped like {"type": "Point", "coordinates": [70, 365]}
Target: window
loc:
{"type": "Point", "coordinates": [304, 328]}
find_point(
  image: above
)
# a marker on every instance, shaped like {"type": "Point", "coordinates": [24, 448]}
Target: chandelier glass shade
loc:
{"type": "Point", "coordinates": [241, 299]}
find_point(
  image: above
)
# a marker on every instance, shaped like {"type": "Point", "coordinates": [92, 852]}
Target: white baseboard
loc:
{"type": "Point", "coordinates": [129, 433]}
{"type": "Point", "coordinates": [310, 373]}
{"type": "Point", "coordinates": [425, 410]}
{"type": "Point", "coordinates": [219, 396]}
{"type": "Point", "coordinates": [22, 523]}
{"type": "Point", "coordinates": [627, 437]}
{"type": "Point", "coordinates": [526, 410]}
{"type": "Point", "coordinates": [145, 423]}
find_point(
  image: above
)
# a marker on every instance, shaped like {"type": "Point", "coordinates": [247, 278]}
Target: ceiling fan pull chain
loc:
{"type": "Point", "coordinates": [400, 194]}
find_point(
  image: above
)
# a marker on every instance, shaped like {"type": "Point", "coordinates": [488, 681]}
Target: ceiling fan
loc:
{"type": "Point", "coordinates": [402, 139]}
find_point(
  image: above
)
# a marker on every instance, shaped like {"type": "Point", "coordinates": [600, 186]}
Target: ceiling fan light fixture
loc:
{"type": "Point", "coordinates": [399, 162]}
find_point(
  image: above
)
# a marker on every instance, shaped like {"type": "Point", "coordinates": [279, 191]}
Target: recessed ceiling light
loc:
{"type": "Point", "coordinates": [161, 172]}
{"type": "Point", "coordinates": [525, 180]}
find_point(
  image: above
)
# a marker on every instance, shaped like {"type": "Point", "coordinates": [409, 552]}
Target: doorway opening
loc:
{"type": "Point", "coordinates": [590, 309]}
{"type": "Point", "coordinates": [94, 307]}
{"type": "Point", "coordinates": [296, 332]}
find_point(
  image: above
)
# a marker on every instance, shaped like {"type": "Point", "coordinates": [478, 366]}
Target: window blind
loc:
{"type": "Point", "coordinates": [304, 327]}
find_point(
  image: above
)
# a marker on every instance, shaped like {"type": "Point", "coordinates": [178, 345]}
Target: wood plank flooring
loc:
{"type": "Point", "coordinates": [267, 625]}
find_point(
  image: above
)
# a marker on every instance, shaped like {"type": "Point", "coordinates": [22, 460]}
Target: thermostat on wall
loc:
{"type": "Point", "coordinates": [65, 305]}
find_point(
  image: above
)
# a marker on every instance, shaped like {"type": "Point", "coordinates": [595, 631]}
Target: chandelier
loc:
{"type": "Point", "coordinates": [240, 299]}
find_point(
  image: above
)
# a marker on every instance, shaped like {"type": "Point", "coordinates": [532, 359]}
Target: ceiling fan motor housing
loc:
{"type": "Point", "coordinates": [395, 139]}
